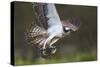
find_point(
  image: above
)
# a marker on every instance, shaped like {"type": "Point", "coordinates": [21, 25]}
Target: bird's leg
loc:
{"type": "Point", "coordinates": [47, 42]}
{"type": "Point", "coordinates": [53, 41]}
{"type": "Point", "coordinates": [53, 47]}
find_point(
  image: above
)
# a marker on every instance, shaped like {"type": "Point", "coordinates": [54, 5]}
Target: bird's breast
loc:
{"type": "Point", "coordinates": [57, 30]}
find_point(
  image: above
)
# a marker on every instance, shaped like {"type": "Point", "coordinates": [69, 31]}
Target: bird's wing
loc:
{"type": "Point", "coordinates": [40, 13]}
{"type": "Point", "coordinates": [35, 34]}
{"type": "Point", "coordinates": [37, 31]}
{"type": "Point", "coordinates": [47, 15]}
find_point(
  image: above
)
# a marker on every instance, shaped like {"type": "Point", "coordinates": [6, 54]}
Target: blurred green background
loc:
{"type": "Point", "coordinates": [78, 46]}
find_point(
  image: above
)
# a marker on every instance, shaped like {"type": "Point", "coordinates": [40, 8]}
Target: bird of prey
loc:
{"type": "Point", "coordinates": [48, 28]}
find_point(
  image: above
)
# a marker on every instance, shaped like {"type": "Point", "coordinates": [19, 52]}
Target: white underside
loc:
{"type": "Point", "coordinates": [54, 23]}
{"type": "Point", "coordinates": [55, 26]}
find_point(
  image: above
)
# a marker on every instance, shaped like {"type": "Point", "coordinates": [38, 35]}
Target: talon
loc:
{"type": "Point", "coordinates": [44, 53]}
{"type": "Point", "coordinates": [48, 51]}
{"type": "Point", "coordinates": [53, 49]}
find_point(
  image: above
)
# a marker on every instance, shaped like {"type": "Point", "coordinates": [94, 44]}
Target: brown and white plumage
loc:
{"type": "Point", "coordinates": [48, 28]}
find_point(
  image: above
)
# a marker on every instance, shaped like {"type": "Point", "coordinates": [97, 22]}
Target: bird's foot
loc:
{"type": "Point", "coordinates": [48, 51]}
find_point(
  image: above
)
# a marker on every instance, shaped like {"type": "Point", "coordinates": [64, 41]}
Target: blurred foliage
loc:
{"type": "Point", "coordinates": [66, 58]}
{"type": "Point", "coordinates": [78, 46]}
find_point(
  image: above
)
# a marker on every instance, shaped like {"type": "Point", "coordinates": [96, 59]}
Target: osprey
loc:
{"type": "Point", "coordinates": [48, 28]}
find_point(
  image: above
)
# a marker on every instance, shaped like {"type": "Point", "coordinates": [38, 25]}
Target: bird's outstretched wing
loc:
{"type": "Point", "coordinates": [40, 13]}
{"type": "Point", "coordinates": [37, 32]}
{"type": "Point", "coordinates": [35, 35]}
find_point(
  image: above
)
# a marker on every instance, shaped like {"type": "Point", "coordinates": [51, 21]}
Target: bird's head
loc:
{"type": "Point", "coordinates": [70, 25]}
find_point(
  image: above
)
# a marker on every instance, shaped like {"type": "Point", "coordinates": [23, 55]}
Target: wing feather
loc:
{"type": "Point", "coordinates": [35, 35]}
{"type": "Point", "coordinates": [41, 11]}
{"type": "Point", "coordinates": [37, 31]}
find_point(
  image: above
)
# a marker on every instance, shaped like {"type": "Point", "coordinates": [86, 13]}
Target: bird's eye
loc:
{"type": "Point", "coordinates": [66, 29]}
